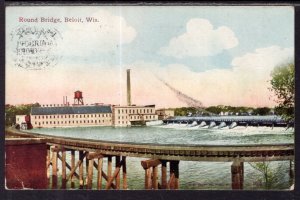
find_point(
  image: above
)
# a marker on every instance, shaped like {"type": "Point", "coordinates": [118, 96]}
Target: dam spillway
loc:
{"type": "Point", "coordinates": [231, 121]}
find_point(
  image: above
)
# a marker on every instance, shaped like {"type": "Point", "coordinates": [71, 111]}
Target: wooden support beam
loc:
{"type": "Point", "coordinates": [86, 168]}
{"type": "Point", "coordinates": [242, 176]}
{"type": "Point", "coordinates": [236, 175]}
{"type": "Point", "coordinates": [48, 164]}
{"type": "Point", "coordinates": [90, 174]}
{"type": "Point", "coordinates": [54, 170]}
{"type": "Point", "coordinates": [170, 184]}
{"type": "Point", "coordinates": [81, 157]}
{"type": "Point", "coordinates": [58, 149]}
{"type": "Point", "coordinates": [172, 174]}
{"type": "Point", "coordinates": [109, 167]}
{"type": "Point", "coordinates": [154, 177]}
{"type": "Point", "coordinates": [164, 175]}
{"type": "Point", "coordinates": [69, 167]}
{"type": "Point", "coordinates": [99, 177]}
{"type": "Point", "coordinates": [63, 170]}
{"type": "Point", "coordinates": [73, 170]}
{"type": "Point", "coordinates": [94, 155]}
{"type": "Point", "coordinates": [104, 176]}
{"type": "Point", "coordinates": [116, 172]}
{"type": "Point", "coordinates": [176, 173]}
{"type": "Point", "coordinates": [118, 175]}
{"type": "Point", "coordinates": [72, 167]}
{"type": "Point", "coordinates": [148, 183]}
{"type": "Point", "coordinates": [124, 173]}
{"type": "Point", "coordinates": [150, 163]}
{"type": "Point", "coordinates": [291, 171]}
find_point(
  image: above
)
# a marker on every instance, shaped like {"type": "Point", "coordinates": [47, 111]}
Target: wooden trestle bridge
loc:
{"type": "Point", "coordinates": [89, 155]}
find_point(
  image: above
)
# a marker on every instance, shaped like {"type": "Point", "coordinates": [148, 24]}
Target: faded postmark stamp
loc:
{"type": "Point", "coordinates": [35, 48]}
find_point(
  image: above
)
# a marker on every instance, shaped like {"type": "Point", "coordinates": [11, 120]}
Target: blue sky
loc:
{"type": "Point", "coordinates": [183, 44]}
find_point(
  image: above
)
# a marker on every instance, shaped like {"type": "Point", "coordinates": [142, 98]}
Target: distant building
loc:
{"type": "Point", "coordinates": [71, 116]}
{"type": "Point", "coordinates": [95, 115]}
{"type": "Point", "coordinates": [133, 115]}
{"type": "Point", "coordinates": [165, 113]}
{"type": "Point", "coordinates": [23, 121]}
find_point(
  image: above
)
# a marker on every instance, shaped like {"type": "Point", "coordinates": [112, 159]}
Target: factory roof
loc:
{"type": "Point", "coordinates": [70, 110]}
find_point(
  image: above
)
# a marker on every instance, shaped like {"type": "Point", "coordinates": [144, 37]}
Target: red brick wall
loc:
{"type": "Point", "coordinates": [25, 166]}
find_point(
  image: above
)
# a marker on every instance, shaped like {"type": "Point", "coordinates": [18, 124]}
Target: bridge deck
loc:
{"type": "Point", "coordinates": [216, 153]}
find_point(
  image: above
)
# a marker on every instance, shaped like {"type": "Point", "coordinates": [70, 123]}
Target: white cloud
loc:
{"type": "Point", "coordinates": [108, 35]}
{"type": "Point", "coordinates": [245, 83]}
{"type": "Point", "coordinates": [200, 39]}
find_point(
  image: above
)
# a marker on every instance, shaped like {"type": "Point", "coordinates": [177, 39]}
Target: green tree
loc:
{"type": "Point", "coordinates": [283, 85]}
{"type": "Point", "coordinates": [269, 176]}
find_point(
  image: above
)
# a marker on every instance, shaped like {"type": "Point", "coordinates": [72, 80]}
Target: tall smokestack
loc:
{"type": "Point", "coordinates": [128, 88]}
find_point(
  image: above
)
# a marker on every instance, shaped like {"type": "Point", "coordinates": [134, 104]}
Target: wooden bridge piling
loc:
{"type": "Point", "coordinates": [54, 169]}
{"type": "Point", "coordinates": [64, 170]}
{"type": "Point", "coordinates": [99, 177]}
{"type": "Point", "coordinates": [237, 175]}
{"type": "Point", "coordinates": [72, 167]}
{"type": "Point", "coordinates": [124, 173]}
{"type": "Point", "coordinates": [163, 174]}
{"type": "Point", "coordinates": [81, 157]}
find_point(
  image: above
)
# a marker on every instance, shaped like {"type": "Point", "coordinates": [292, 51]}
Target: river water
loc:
{"type": "Point", "coordinates": [193, 175]}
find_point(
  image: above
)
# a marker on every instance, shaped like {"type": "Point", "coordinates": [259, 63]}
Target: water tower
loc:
{"type": "Point", "coordinates": [78, 99]}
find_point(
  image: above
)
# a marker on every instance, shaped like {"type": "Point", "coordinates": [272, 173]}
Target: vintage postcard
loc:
{"type": "Point", "coordinates": [149, 97]}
